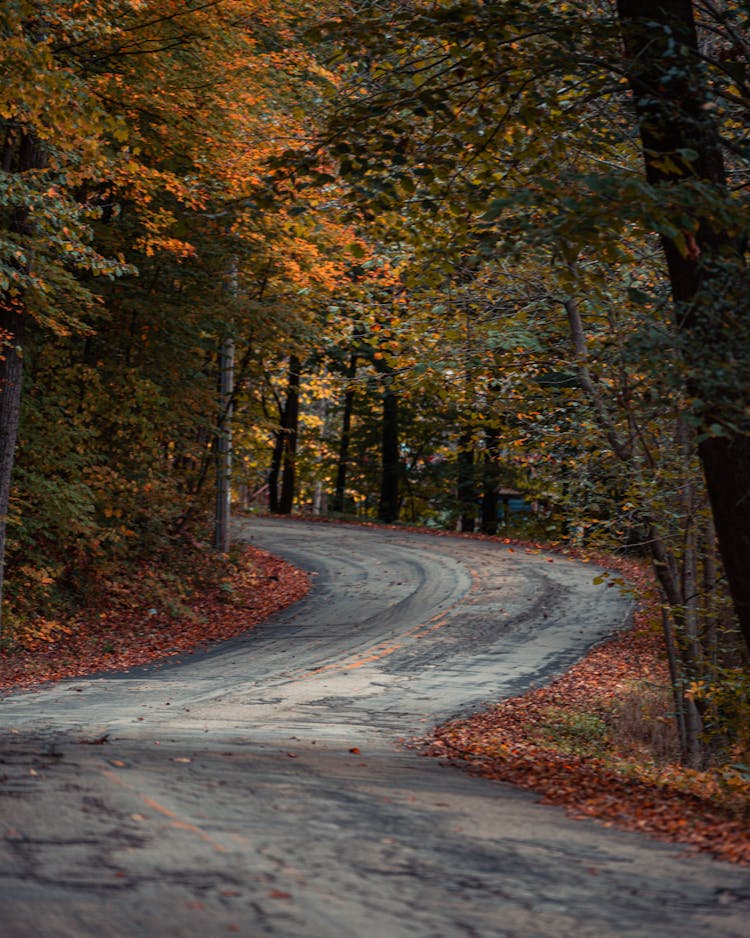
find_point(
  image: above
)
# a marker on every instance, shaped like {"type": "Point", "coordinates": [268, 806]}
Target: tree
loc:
{"type": "Point", "coordinates": [52, 132]}
{"type": "Point", "coordinates": [338, 503]}
{"type": "Point", "coordinates": [707, 271]}
{"type": "Point", "coordinates": [495, 136]}
{"type": "Point", "coordinates": [285, 451]}
{"type": "Point", "coordinates": [390, 503]}
{"type": "Point", "coordinates": [151, 126]}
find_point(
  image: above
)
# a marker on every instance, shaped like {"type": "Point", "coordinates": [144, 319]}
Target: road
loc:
{"type": "Point", "coordinates": [261, 788]}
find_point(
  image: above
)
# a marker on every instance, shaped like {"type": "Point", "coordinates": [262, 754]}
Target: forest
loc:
{"type": "Point", "coordinates": [474, 265]}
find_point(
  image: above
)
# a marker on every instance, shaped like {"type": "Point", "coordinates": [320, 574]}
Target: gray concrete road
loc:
{"type": "Point", "coordinates": [260, 789]}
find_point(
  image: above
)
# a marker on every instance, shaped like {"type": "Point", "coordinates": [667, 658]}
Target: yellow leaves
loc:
{"type": "Point", "coordinates": [696, 690]}
{"type": "Point", "coordinates": [37, 633]}
{"type": "Point", "coordinates": [174, 246]}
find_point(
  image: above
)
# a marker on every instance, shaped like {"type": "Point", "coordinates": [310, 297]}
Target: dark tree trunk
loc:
{"type": "Point", "coordinates": [291, 428]}
{"type": "Point", "coordinates": [339, 498]}
{"type": "Point", "coordinates": [705, 265]}
{"type": "Point", "coordinates": [726, 463]}
{"type": "Point", "coordinates": [388, 510]}
{"type": "Point", "coordinates": [20, 153]}
{"type": "Point", "coordinates": [12, 330]}
{"type": "Point", "coordinates": [288, 420]}
{"type": "Point", "coordinates": [466, 488]}
{"type": "Point", "coordinates": [490, 484]}
{"type": "Point", "coordinates": [274, 471]}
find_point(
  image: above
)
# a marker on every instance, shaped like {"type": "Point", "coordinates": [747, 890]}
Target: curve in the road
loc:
{"type": "Point", "coordinates": [256, 789]}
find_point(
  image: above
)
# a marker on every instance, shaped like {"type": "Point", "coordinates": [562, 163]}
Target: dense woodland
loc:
{"type": "Point", "coordinates": [465, 253]}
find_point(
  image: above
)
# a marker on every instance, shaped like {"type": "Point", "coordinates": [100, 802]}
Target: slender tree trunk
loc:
{"type": "Point", "coordinates": [466, 487]}
{"type": "Point", "coordinates": [274, 472]}
{"type": "Point", "coordinates": [490, 483]}
{"type": "Point", "coordinates": [339, 498]}
{"type": "Point", "coordinates": [674, 674]}
{"type": "Point", "coordinates": [291, 429]}
{"type": "Point", "coordinates": [388, 509]}
{"type": "Point", "coordinates": [282, 468]}
{"type": "Point", "coordinates": [20, 152]}
{"type": "Point", "coordinates": [12, 330]}
{"type": "Point", "coordinates": [680, 626]}
{"type": "Point", "coordinates": [223, 512]}
{"type": "Point", "coordinates": [706, 270]}
{"type": "Point", "coordinates": [713, 608]}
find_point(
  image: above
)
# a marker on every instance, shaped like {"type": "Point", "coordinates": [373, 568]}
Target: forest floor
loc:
{"type": "Point", "coordinates": [160, 616]}
{"type": "Point", "coordinates": [598, 741]}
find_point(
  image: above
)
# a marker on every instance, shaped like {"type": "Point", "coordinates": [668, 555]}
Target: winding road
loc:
{"type": "Point", "coordinates": [260, 788]}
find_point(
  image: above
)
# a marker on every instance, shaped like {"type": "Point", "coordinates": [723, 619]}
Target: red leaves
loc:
{"type": "Point", "coordinates": [511, 742]}
{"type": "Point", "coordinates": [133, 633]}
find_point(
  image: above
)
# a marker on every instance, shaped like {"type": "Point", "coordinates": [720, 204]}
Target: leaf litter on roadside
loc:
{"type": "Point", "coordinates": [125, 633]}
{"type": "Point", "coordinates": [554, 741]}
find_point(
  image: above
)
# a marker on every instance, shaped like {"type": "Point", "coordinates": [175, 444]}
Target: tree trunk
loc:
{"type": "Point", "coordinates": [490, 483]}
{"type": "Point", "coordinates": [388, 509]}
{"type": "Point", "coordinates": [275, 470]}
{"type": "Point", "coordinates": [339, 498]}
{"type": "Point", "coordinates": [466, 487]}
{"type": "Point", "coordinates": [678, 586]}
{"type": "Point", "coordinates": [726, 463]}
{"type": "Point", "coordinates": [289, 438]}
{"type": "Point", "coordinates": [674, 674]}
{"type": "Point", "coordinates": [223, 511]}
{"type": "Point", "coordinates": [21, 152]}
{"type": "Point", "coordinates": [12, 329]}
{"type": "Point", "coordinates": [680, 141]}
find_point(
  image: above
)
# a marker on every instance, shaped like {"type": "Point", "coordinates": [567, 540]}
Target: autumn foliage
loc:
{"type": "Point", "coordinates": [579, 744]}
{"type": "Point", "coordinates": [433, 219]}
{"type": "Point", "coordinates": [157, 621]}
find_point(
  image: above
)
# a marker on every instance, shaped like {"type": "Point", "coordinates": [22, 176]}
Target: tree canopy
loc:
{"type": "Point", "coordinates": [484, 264]}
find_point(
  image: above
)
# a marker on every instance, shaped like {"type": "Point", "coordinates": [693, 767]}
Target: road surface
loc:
{"type": "Point", "coordinates": [261, 789]}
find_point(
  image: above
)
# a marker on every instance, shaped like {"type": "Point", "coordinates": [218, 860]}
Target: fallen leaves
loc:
{"type": "Point", "coordinates": [515, 742]}
{"type": "Point", "coordinates": [128, 634]}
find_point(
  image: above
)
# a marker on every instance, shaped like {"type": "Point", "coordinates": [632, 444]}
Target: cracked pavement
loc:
{"type": "Point", "coordinates": [262, 788]}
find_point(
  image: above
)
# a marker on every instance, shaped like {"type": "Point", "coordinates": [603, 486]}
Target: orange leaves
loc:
{"type": "Point", "coordinates": [131, 632]}
{"type": "Point", "coordinates": [40, 633]}
{"type": "Point", "coordinates": [553, 741]}
{"type": "Point", "coordinates": [174, 246]}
